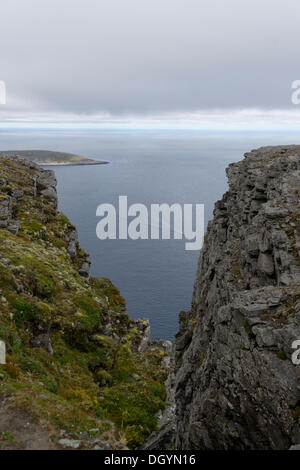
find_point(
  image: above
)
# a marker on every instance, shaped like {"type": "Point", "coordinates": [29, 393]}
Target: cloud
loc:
{"type": "Point", "coordinates": [204, 120]}
{"type": "Point", "coordinates": [141, 57]}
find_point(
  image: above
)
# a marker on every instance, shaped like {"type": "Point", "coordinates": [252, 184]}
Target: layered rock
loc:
{"type": "Point", "coordinates": [236, 386]}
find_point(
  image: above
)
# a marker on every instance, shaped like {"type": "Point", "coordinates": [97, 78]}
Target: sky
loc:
{"type": "Point", "coordinates": [176, 63]}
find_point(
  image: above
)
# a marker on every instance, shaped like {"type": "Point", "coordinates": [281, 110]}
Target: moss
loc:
{"type": "Point", "coordinates": [104, 377]}
{"type": "Point", "coordinates": [124, 317]}
{"type": "Point", "coordinates": [104, 341]}
{"type": "Point", "coordinates": [248, 329]}
{"type": "Point", "coordinates": [200, 362]}
{"type": "Point", "coordinates": [43, 311]}
{"type": "Point", "coordinates": [88, 381]}
{"type": "Point", "coordinates": [134, 411]}
{"type": "Point", "coordinates": [281, 355]}
{"type": "Point", "coordinates": [296, 413]}
{"type": "Point", "coordinates": [33, 226]}
{"type": "Point", "coordinates": [23, 312]}
{"type": "Point", "coordinates": [116, 301]}
{"type": "Point", "coordinates": [7, 436]}
{"type": "Point", "coordinates": [89, 314]}
{"type": "Point", "coordinates": [64, 221]}
{"type": "Point", "coordinates": [26, 312]}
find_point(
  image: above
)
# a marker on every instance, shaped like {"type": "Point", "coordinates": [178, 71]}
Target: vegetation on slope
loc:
{"type": "Point", "coordinates": [51, 157]}
{"type": "Point", "coordinates": [72, 358]}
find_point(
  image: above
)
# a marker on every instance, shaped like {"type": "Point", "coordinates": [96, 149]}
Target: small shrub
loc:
{"type": "Point", "coordinates": [104, 377]}
{"type": "Point", "coordinates": [23, 312]}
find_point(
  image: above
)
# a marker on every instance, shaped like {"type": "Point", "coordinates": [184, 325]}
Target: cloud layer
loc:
{"type": "Point", "coordinates": [141, 57]}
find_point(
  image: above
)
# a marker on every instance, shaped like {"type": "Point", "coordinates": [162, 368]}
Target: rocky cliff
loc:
{"type": "Point", "coordinates": [236, 386]}
{"type": "Point", "coordinates": [79, 372]}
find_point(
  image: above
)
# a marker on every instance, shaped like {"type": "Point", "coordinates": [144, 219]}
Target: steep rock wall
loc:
{"type": "Point", "coordinates": [235, 384]}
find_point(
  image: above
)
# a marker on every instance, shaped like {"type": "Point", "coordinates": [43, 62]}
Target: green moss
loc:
{"type": "Point", "coordinates": [64, 221]}
{"type": "Point", "coordinates": [33, 226]}
{"type": "Point", "coordinates": [134, 410]}
{"type": "Point", "coordinates": [90, 380]}
{"type": "Point", "coordinates": [29, 364]}
{"type": "Point", "coordinates": [281, 355]}
{"type": "Point", "coordinates": [43, 311]}
{"type": "Point", "coordinates": [7, 436]}
{"type": "Point", "coordinates": [124, 317]}
{"type": "Point", "coordinates": [27, 312]}
{"type": "Point", "coordinates": [116, 301]}
{"type": "Point", "coordinates": [90, 312]}
{"type": "Point", "coordinates": [248, 329]}
{"type": "Point", "coordinates": [296, 413]}
{"type": "Point", "coordinates": [23, 312]}
{"type": "Point", "coordinates": [104, 341]}
{"type": "Point", "coordinates": [104, 377]}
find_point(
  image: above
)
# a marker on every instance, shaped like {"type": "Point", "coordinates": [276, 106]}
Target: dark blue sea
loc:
{"type": "Point", "coordinates": [156, 277]}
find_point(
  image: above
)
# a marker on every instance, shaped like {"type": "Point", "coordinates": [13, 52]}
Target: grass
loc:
{"type": "Point", "coordinates": [90, 380]}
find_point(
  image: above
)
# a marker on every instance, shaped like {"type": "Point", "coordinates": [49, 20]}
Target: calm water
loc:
{"type": "Point", "coordinates": [156, 277]}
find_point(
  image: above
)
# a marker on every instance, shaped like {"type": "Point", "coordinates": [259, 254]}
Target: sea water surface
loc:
{"type": "Point", "coordinates": [156, 277]}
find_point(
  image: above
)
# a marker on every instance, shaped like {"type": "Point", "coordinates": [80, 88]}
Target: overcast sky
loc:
{"type": "Point", "coordinates": [81, 59]}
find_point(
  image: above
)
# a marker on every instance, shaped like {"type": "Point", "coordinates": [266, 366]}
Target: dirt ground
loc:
{"type": "Point", "coordinates": [18, 430]}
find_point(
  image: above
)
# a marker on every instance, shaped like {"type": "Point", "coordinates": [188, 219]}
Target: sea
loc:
{"type": "Point", "coordinates": [156, 277]}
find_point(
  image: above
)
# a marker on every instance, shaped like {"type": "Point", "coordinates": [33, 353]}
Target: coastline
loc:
{"type": "Point", "coordinates": [91, 162]}
{"type": "Point", "coordinates": [53, 158]}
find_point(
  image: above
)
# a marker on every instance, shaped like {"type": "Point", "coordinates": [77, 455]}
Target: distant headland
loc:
{"type": "Point", "coordinates": [51, 158]}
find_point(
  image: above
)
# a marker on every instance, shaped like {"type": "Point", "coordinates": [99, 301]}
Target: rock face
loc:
{"type": "Point", "coordinates": [236, 386]}
{"type": "Point", "coordinates": [43, 185]}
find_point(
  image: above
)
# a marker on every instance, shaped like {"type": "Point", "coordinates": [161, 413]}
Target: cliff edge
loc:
{"type": "Point", "coordinates": [236, 386]}
{"type": "Point", "coordinates": [79, 373]}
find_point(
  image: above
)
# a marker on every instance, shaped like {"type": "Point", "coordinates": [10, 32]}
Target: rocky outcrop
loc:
{"type": "Point", "coordinates": [72, 239]}
{"type": "Point", "coordinates": [236, 386]}
{"type": "Point", "coordinates": [8, 205]}
{"type": "Point", "coordinates": [43, 187]}
{"type": "Point", "coordinates": [46, 185]}
{"type": "Point", "coordinates": [142, 327]}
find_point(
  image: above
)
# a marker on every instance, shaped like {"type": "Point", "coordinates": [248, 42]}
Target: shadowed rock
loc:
{"type": "Point", "coordinates": [235, 384]}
